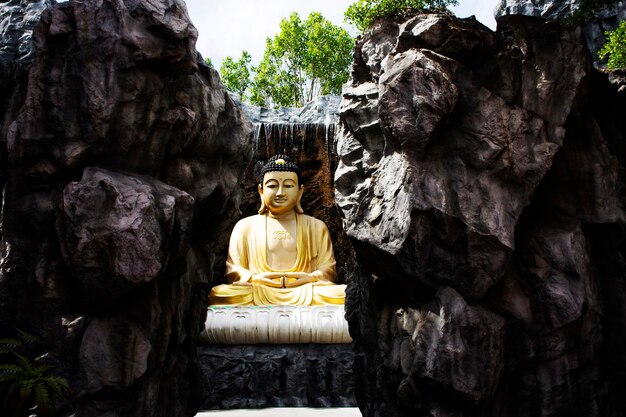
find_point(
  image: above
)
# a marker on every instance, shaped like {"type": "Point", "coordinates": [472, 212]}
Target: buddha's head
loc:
{"type": "Point", "coordinates": [279, 187]}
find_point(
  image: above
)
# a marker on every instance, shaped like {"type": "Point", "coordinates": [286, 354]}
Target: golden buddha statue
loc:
{"type": "Point", "coordinates": [280, 256]}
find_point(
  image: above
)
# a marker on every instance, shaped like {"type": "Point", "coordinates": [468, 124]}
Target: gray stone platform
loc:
{"type": "Point", "coordinates": [260, 376]}
{"type": "Point", "coordinates": [286, 412]}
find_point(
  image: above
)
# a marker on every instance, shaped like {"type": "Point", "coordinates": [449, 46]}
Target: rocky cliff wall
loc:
{"type": "Point", "coordinates": [594, 30]}
{"type": "Point", "coordinates": [480, 179]}
{"type": "Point", "coordinates": [121, 159]}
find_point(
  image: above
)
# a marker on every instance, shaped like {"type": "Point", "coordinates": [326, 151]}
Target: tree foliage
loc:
{"type": "Point", "coordinates": [307, 58]}
{"type": "Point", "coordinates": [363, 12]}
{"type": "Point", "coordinates": [304, 60]}
{"type": "Point", "coordinates": [615, 47]}
{"type": "Point", "coordinates": [235, 74]}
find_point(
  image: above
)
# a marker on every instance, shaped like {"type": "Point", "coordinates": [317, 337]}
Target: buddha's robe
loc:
{"type": "Point", "coordinates": [247, 255]}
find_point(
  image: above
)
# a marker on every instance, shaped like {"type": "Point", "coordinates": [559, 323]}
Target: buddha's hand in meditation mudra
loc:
{"type": "Point", "coordinates": [282, 280]}
{"type": "Point", "coordinates": [280, 256]}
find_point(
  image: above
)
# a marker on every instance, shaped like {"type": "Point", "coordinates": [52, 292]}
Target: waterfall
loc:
{"type": "Point", "coordinates": [306, 134]}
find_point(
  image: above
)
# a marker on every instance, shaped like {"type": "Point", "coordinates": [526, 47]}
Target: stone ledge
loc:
{"type": "Point", "coordinates": [260, 376]}
{"type": "Point", "coordinates": [286, 412]}
{"type": "Point", "coordinates": [235, 325]}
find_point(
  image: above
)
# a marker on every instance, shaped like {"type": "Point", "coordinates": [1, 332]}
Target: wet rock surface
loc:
{"type": "Point", "coordinates": [320, 111]}
{"type": "Point", "coordinates": [140, 223]}
{"type": "Point", "coordinates": [607, 19]}
{"type": "Point", "coordinates": [479, 180]}
{"type": "Point", "coordinates": [121, 159]}
{"type": "Point", "coordinates": [263, 376]}
{"type": "Point", "coordinates": [17, 20]}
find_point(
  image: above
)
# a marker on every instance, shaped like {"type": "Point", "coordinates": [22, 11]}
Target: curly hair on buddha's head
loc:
{"type": "Point", "coordinates": [280, 163]}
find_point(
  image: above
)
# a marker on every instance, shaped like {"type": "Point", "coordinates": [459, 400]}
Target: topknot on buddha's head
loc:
{"type": "Point", "coordinates": [280, 163]}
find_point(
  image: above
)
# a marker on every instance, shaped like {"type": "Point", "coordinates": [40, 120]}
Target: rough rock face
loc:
{"type": "Point", "coordinates": [17, 19]}
{"type": "Point", "coordinates": [140, 223]}
{"type": "Point", "coordinates": [263, 376]}
{"type": "Point", "coordinates": [479, 178]}
{"type": "Point", "coordinates": [121, 159]}
{"type": "Point", "coordinates": [559, 9]}
{"type": "Point", "coordinates": [594, 30]}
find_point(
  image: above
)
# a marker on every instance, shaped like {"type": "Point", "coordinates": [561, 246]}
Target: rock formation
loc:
{"type": "Point", "coordinates": [17, 19]}
{"type": "Point", "coordinates": [594, 30]}
{"type": "Point", "coordinates": [480, 180]}
{"type": "Point", "coordinates": [121, 158]}
{"type": "Point", "coordinates": [479, 177]}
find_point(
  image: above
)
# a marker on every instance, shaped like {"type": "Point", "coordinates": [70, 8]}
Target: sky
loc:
{"type": "Point", "coordinates": [227, 27]}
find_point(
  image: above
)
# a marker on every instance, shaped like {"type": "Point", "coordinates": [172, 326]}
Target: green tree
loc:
{"type": "Point", "coordinates": [615, 47]}
{"type": "Point", "coordinates": [236, 74]}
{"type": "Point", "coordinates": [363, 12]}
{"type": "Point", "coordinates": [304, 60]}
{"type": "Point", "coordinates": [208, 61]}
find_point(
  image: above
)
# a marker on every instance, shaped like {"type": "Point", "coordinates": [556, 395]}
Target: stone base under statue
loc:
{"type": "Point", "coordinates": [260, 376]}
{"type": "Point", "coordinates": [235, 325]}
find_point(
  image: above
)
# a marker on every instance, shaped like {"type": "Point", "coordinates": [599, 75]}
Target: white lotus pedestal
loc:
{"type": "Point", "coordinates": [234, 325]}
{"type": "Point", "coordinates": [277, 356]}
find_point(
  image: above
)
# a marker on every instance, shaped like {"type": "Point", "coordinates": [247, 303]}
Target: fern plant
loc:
{"type": "Point", "coordinates": [29, 387]}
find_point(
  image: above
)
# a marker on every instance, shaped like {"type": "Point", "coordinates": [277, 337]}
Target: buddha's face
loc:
{"type": "Point", "coordinates": [280, 191]}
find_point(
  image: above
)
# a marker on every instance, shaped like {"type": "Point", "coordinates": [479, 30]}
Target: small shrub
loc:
{"type": "Point", "coordinates": [363, 12]}
{"type": "Point", "coordinates": [29, 387]}
{"type": "Point", "coordinates": [615, 47]}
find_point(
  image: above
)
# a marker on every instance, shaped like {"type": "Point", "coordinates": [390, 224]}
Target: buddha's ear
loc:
{"type": "Point", "coordinates": [263, 208]}
{"type": "Point", "coordinates": [298, 202]}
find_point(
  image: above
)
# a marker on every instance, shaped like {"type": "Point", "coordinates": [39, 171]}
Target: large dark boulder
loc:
{"type": "Point", "coordinates": [121, 159]}
{"type": "Point", "coordinates": [480, 180]}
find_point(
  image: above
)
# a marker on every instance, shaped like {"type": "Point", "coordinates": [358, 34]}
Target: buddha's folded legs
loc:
{"type": "Point", "coordinates": [329, 294]}
{"type": "Point", "coordinates": [308, 294]}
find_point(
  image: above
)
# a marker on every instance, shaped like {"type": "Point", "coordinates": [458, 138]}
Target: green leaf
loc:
{"type": "Point", "coordinates": [27, 337]}
{"type": "Point", "coordinates": [26, 388]}
{"type": "Point", "coordinates": [362, 13]}
{"type": "Point", "coordinates": [304, 60]}
{"type": "Point", "coordinates": [615, 47]}
{"type": "Point", "coordinates": [236, 74]}
{"type": "Point", "coordinates": [43, 399]}
{"type": "Point", "coordinates": [26, 383]}
{"type": "Point", "coordinates": [9, 372]}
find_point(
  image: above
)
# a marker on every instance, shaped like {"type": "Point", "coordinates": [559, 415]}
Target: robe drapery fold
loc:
{"type": "Point", "coordinates": [247, 255]}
